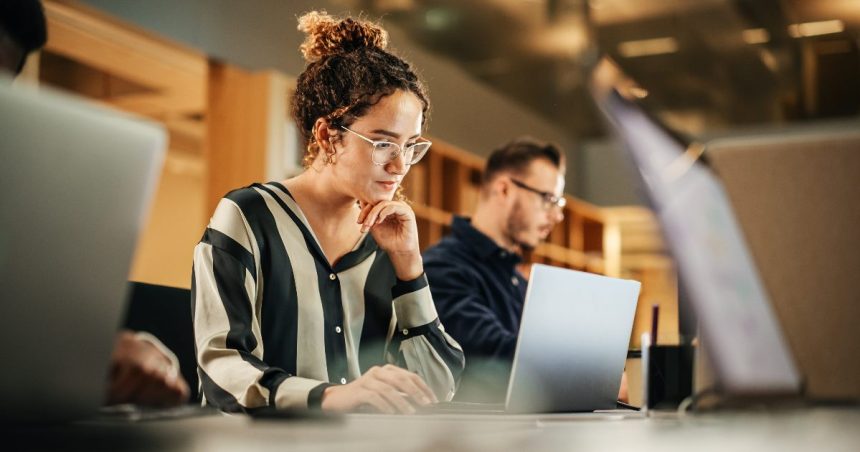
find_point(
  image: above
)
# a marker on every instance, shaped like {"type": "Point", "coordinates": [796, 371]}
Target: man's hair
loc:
{"type": "Point", "coordinates": [23, 21]}
{"type": "Point", "coordinates": [516, 156]}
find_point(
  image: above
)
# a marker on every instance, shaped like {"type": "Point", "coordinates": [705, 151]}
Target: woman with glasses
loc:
{"type": "Point", "coordinates": [311, 292]}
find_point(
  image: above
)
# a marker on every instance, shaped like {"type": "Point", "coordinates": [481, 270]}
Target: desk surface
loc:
{"type": "Point", "coordinates": [831, 429]}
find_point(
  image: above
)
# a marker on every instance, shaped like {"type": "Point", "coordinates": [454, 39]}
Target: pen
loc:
{"type": "Point", "coordinates": [655, 319]}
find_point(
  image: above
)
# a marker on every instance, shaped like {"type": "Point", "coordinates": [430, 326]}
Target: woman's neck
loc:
{"type": "Point", "coordinates": [316, 196]}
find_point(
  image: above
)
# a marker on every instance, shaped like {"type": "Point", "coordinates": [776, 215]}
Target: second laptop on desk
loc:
{"type": "Point", "coordinates": [572, 345]}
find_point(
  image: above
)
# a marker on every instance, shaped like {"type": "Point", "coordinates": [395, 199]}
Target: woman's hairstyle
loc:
{"type": "Point", "coordinates": [348, 72]}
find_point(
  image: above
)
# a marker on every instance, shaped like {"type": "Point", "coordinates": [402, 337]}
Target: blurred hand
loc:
{"type": "Point", "coordinates": [622, 391]}
{"type": "Point", "coordinates": [141, 374]}
{"type": "Point", "coordinates": [393, 226]}
{"type": "Point", "coordinates": [388, 389]}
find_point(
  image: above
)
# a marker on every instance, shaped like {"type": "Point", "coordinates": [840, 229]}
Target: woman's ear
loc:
{"type": "Point", "coordinates": [323, 135]}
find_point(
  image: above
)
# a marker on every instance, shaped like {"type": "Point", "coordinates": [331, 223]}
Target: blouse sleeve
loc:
{"type": "Point", "coordinates": [419, 342]}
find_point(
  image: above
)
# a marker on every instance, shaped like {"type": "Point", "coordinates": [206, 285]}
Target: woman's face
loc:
{"type": "Point", "coordinates": [395, 118]}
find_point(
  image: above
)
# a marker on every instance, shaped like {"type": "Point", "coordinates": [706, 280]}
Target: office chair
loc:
{"type": "Point", "coordinates": [165, 312]}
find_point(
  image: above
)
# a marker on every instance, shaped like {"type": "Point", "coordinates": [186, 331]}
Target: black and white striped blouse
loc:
{"type": "Point", "coordinates": [275, 324]}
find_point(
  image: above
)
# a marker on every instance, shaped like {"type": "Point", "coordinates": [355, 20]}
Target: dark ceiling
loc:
{"type": "Point", "coordinates": [706, 65]}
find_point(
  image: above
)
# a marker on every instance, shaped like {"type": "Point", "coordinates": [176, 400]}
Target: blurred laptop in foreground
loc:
{"type": "Point", "coordinates": [739, 329]}
{"type": "Point", "coordinates": [75, 186]}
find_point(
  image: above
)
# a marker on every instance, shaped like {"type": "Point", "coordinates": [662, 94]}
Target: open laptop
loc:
{"type": "Point", "coordinates": [738, 325]}
{"type": "Point", "coordinates": [76, 182]}
{"type": "Point", "coordinates": [572, 344]}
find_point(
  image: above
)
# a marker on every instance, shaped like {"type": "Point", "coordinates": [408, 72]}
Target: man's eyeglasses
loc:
{"type": "Point", "coordinates": [386, 151]}
{"type": "Point", "coordinates": [549, 200]}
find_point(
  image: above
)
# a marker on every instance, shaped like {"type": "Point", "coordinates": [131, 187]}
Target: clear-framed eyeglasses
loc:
{"type": "Point", "coordinates": [548, 199]}
{"type": "Point", "coordinates": [386, 151]}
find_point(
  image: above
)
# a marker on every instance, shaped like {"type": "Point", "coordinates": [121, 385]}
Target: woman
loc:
{"type": "Point", "coordinates": [311, 292]}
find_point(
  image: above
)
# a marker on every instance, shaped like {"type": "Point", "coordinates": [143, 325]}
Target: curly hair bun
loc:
{"type": "Point", "coordinates": [328, 35]}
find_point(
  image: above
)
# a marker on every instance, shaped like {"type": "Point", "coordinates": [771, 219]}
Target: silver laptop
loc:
{"type": "Point", "coordinates": [573, 341]}
{"type": "Point", "coordinates": [75, 186]}
{"type": "Point", "coordinates": [571, 348]}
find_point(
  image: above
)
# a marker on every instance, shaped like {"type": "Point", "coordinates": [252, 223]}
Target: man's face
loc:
{"type": "Point", "coordinates": [531, 218]}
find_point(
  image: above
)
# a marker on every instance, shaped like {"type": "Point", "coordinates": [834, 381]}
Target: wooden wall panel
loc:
{"type": "Point", "coordinates": [172, 72]}
{"type": "Point", "coordinates": [245, 121]}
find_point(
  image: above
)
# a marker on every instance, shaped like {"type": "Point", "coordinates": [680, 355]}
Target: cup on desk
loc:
{"type": "Point", "coordinates": [667, 373]}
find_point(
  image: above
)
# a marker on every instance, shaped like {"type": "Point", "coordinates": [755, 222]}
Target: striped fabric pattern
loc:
{"type": "Point", "coordinates": [275, 323]}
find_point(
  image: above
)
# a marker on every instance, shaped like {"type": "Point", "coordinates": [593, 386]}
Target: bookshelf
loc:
{"type": "Point", "coordinates": [623, 242]}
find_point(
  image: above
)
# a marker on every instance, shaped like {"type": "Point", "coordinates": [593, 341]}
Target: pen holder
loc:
{"type": "Point", "coordinates": [669, 375]}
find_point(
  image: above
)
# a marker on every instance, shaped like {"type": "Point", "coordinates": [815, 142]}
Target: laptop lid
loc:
{"type": "Point", "coordinates": [794, 192]}
{"type": "Point", "coordinates": [75, 185]}
{"type": "Point", "coordinates": [572, 343]}
{"type": "Point", "coordinates": [737, 321]}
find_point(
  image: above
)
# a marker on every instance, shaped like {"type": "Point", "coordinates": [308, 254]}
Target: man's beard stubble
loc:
{"type": "Point", "coordinates": [515, 226]}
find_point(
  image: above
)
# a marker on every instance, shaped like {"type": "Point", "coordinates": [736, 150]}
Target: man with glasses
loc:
{"type": "Point", "coordinates": [478, 291]}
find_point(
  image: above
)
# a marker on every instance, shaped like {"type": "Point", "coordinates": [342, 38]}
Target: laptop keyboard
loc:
{"type": "Point", "coordinates": [462, 407]}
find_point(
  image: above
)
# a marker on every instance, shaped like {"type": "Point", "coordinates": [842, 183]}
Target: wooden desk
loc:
{"type": "Point", "coordinates": [821, 429]}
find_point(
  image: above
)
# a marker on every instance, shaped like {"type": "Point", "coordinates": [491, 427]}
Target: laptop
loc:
{"type": "Point", "coordinates": [739, 328]}
{"type": "Point", "coordinates": [76, 182]}
{"type": "Point", "coordinates": [572, 345]}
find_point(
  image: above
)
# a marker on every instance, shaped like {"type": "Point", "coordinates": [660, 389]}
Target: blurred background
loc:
{"type": "Point", "coordinates": [218, 73]}
{"type": "Point", "coordinates": [502, 67]}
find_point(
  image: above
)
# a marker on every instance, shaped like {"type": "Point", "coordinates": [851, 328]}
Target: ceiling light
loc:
{"type": "Point", "coordinates": [390, 6]}
{"type": "Point", "coordinates": [566, 38]}
{"type": "Point", "coordinates": [824, 27]}
{"type": "Point", "coordinates": [648, 47]}
{"type": "Point", "coordinates": [756, 36]}
{"type": "Point", "coordinates": [438, 19]}
{"type": "Point", "coordinates": [769, 60]}
{"type": "Point", "coordinates": [638, 92]}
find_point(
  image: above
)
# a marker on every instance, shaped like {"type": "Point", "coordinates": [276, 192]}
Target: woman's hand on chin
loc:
{"type": "Point", "coordinates": [393, 226]}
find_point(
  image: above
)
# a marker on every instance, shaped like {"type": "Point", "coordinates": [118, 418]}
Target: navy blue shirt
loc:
{"type": "Point", "coordinates": [479, 296]}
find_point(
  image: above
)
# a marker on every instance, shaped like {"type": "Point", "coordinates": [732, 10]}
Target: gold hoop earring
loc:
{"type": "Point", "coordinates": [331, 155]}
{"type": "Point", "coordinates": [330, 158]}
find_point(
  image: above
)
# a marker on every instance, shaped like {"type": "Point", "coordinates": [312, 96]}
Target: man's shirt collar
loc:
{"type": "Point", "coordinates": [484, 246]}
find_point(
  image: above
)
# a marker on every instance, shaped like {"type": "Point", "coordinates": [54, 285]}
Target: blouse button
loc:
{"type": "Point", "coordinates": [337, 329]}
{"type": "Point", "coordinates": [332, 276]}
{"type": "Point", "coordinates": [343, 381]}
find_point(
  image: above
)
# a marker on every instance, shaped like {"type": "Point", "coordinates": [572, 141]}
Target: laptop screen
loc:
{"type": "Point", "coordinates": [738, 326]}
{"type": "Point", "coordinates": [76, 181]}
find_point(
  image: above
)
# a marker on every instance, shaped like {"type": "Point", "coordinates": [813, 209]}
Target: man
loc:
{"type": "Point", "coordinates": [479, 292]}
{"type": "Point", "coordinates": [22, 30]}
{"type": "Point", "coordinates": [142, 370]}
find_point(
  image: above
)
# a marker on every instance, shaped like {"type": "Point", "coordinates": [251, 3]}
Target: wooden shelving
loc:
{"type": "Point", "coordinates": [623, 242]}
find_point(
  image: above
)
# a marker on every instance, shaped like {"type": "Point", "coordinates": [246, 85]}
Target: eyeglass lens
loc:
{"type": "Point", "coordinates": [384, 152]}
